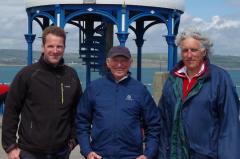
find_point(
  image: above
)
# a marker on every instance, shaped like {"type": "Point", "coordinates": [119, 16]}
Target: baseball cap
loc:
{"type": "Point", "coordinates": [119, 51]}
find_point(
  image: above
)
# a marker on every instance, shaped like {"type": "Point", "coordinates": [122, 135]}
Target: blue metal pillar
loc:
{"type": "Point", "coordinates": [30, 38]}
{"type": "Point", "coordinates": [122, 37]}
{"type": "Point", "coordinates": [122, 27]}
{"type": "Point", "coordinates": [139, 42]}
{"type": "Point", "coordinates": [59, 16]}
{"type": "Point", "coordinates": [170, 38]}
{"type": "Point", "coordinates": [172, 56]}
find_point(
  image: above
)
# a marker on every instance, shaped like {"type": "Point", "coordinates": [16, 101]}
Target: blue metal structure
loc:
{"type": "Point", "coordinates": [93, 22]}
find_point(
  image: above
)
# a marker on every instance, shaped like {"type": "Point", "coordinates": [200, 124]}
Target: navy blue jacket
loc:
{"type": "Point", "coordinates": [109, 119]}
{"type": "Point", "coordinates": [210, 117]}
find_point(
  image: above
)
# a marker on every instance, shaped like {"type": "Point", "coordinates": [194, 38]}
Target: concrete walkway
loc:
{"type": "Point", "coordinates": [74, 155]}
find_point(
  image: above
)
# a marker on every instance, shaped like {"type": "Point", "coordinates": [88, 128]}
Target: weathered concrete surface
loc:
{"type": "Point", "coordinates": [158, 82]}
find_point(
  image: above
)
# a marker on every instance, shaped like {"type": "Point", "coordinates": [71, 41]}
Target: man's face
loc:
{"type": "Point", "coordinates": [192, 54]}
{"type": "Point", "coordinates": [119, 66]}
{"type": "Point", "coordinates": [53, 49]}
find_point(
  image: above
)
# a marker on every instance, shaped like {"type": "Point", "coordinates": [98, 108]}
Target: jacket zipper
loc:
{"type": "Point", "coordinates": [62, 91]}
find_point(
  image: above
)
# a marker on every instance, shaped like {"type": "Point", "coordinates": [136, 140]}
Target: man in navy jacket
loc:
{"type": "Point", "coordinates": [199, 106]}
{"type": "Point", "coordinates": [111, 111]}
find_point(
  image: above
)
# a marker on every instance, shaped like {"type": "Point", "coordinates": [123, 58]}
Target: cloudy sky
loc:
{"type": "Point", "coordinates": [220, 19]}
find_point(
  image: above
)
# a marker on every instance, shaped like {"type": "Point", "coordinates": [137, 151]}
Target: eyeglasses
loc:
{"type": "Point", "coordinates": [193, 50]}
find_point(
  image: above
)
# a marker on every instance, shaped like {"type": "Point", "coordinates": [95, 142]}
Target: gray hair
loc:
{"type": "Point", "coordinates": [205, 42]}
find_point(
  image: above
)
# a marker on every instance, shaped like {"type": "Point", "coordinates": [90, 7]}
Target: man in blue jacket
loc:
{"type": "Point", "coordinates": [199, 106]}
{"type": "Point", "coordinates": [111, 111]}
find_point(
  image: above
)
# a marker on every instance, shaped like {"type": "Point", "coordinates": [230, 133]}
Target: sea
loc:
{"type": "Point", "coordinates": [7, 74]}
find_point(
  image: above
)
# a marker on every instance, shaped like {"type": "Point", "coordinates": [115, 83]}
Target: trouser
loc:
{"type": "Point", "coordinates": [34, 155]}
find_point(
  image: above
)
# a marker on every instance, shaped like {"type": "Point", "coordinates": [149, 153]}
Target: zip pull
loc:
{"type": "Point", "coordinates": [62, 91]}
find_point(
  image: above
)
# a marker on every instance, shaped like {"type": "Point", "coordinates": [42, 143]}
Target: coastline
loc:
{"type": "Point", "coordinates": [145, 64]}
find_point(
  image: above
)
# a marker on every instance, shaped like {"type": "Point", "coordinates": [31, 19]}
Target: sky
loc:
{"type": "Point", "coordinates": [219, 19]}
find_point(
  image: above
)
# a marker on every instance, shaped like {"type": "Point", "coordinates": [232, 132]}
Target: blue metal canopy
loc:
{"type": "Point", "coordinates": [95, 23]}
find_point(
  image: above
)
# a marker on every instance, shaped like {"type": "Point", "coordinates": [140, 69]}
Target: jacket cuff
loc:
{"type": "Point", "coordinates": [85, 153]}
{"type": "Point", "coordinates": [10, 148]}
{"type": "Point", "coordinates": [151, 154]}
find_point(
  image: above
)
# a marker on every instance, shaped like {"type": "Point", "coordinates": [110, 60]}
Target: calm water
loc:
{"type": "Point", "coordinates": [7, 74]}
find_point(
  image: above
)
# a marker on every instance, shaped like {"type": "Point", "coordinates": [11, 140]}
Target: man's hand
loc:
{"type": "Point", "coordinates": [14, 154]}
{"type": "Point", "coordinates": [141, 157]}
{"type": "Point", "coordinates": [93, 155]}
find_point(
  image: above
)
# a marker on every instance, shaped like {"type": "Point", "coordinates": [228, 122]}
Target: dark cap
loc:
{"type": "Point", "coordinates": [119, 51]}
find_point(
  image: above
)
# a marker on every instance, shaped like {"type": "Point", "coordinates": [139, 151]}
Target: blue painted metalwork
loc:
{"type": "Point", "coordinates": [97, 12]}
{"type": "Point", "coordinates": [122, 37]}
{"type": "Point", "coordinates": [142, 15]}
{"type": "Point", "coordinates": [43, 14]}
{"type": "Point", "coordinates": [172, 55]}
{"type": "Point", "coordinates": [92, 48]}
{"type": "Point", "coordinates": [173, 22]}
{"type": "Point", "coordinates": [30, 38]}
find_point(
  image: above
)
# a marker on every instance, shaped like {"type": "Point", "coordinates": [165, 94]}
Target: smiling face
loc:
{"type": "Point", "coordinates": [53, 49]}
{"type": "Point", "coordinates": [192, 55]}
{"type": "Point", "coordinates": [119, 66]}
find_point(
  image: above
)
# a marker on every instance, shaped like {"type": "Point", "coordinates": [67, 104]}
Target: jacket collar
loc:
{"type": "Point", "coordinates": [57, 68]}
{"type": "Point", "coordinates": [182, 72]}
{"type": "Point", "coordinates": [180, 65]}
{"type": "Point", "coordinates": [126, 78]}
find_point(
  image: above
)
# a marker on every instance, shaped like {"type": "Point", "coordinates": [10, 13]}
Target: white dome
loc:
{"type": "Point", "coordinates": [172, 4]}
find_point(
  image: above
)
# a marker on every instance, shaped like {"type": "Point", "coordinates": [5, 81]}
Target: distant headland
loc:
{"type": "Point", "coordinates": [19, 57]}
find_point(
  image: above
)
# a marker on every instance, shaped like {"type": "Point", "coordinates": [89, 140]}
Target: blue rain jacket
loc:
{"type": "Point", "coordinates": [109, 119]}
{"type": "Point", "coordinates": [210, 117]}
